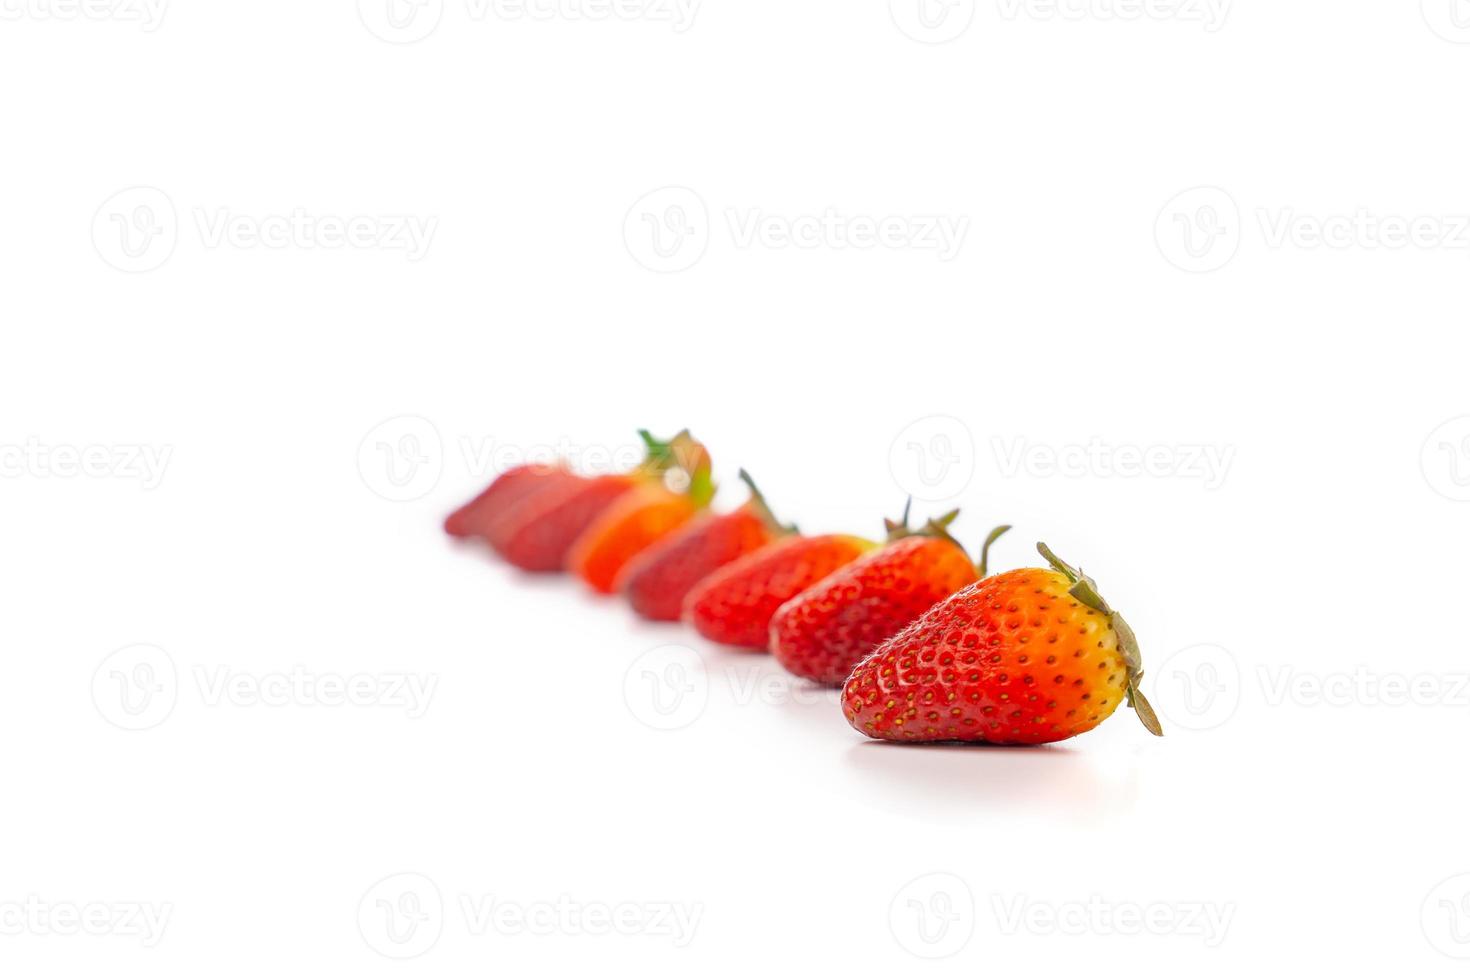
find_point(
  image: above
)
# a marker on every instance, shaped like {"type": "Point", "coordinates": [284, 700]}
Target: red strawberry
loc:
{"type": "Point", "coordinates": [537, 532]}
{"type": "Point", "coordinates": [735, 604]}
{"type": "Point", "coordinates": [833, 626]}
{"type": "Point", "coordinates": [515, 484]}
{"type": "Point", "coordinates": [1025, 657]}
{"type": "Point", "coordinates": [657, 581]}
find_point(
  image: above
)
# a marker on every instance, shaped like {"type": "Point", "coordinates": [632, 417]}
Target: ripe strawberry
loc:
{"type": "Point", "coordinates": [735, 604]}
{"type": "Point", "coordinates": [1029, 656]}
{"type": "Point", "coordinates": [536, 532]}
{"type": "Point", "coordinates": [657, 581]}
{"type": "Point", "coordinates": [640, 518]}
{"type": "Point", "coordinates": [826, 631]}
{"type": "Point", "coordinates": [515, 484]}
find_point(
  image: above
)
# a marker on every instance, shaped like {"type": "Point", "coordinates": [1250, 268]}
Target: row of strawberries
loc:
{"type": "Point", "coordinates": [926, 645]}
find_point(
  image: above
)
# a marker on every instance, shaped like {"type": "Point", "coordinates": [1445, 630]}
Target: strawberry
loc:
{"type": "Point", "coordinates": [657, 581]}
{"type": "Point", "coordinates": [735, 604]}
{"type": "Point", "coordinates": [1029, 656]}
{"type": "Point", "coordinates": [826, 631]}
{"type": "Point", "coordinates": [515, 484]}
{"type": "Point", "coordinates": [536, 532]}
{"type": "Point", "coordinates": [640, 518]}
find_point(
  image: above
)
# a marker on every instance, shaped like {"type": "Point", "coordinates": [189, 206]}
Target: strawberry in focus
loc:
{"type": "Point", "coordinates": [826, 631]}
{"type": "Point", "coordinates": [735, 604]}
{"type": "Point", "coordinates": [657, 581]}
{"type": "Point", "coordinates": [1026, 657]}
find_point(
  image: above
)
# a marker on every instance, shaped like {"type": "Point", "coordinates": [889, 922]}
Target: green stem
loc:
{"type": "Point", "coordinates": [984, 567]}
{"type": "Point", "coordinates": [758, 503]}
{"type": "Point", "coordinates": [1084, 590]}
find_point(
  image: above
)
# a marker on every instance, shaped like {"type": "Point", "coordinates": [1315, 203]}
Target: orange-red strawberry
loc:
{"type": "Point", "coordinates": [735, 604]}
{"type": "Point", "coordinates": [537, 531]}
{"type": "Point", "coordinates": [657, 581]}
{"type": "Point", "coordinates": [640, 518]}
{"type": "Point", "coordinates": [515, 484]}
{"type": "Point", "coordinates": [826, 631]}
{"type": "Point", "coordinates": [1029, 656]}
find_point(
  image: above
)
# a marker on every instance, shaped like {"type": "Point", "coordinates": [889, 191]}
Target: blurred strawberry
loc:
{"type": "Point", "coordinates": [515, 484]}
{"type": "Point", "coordinates": [642, 517]}
{"type": "Point", "coordinates": [536, 532]}
{"type": "Point", "coordinates": [657, 581]}
{"type": "Point", "coordinates": [735, 604]}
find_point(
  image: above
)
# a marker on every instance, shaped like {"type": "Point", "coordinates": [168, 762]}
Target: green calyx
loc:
{"type": "Point", "coordinates": [1084, 590]}
{"type": "Point", "coordinates": [758, 504]}
{"type": "Point", "coordinates": [682, 462]}
{"type": "Point", "coordinates": [938, 527]}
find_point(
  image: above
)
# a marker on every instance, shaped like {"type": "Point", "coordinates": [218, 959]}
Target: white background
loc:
{"type": "Point", "coordinates": [1138, 278]}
